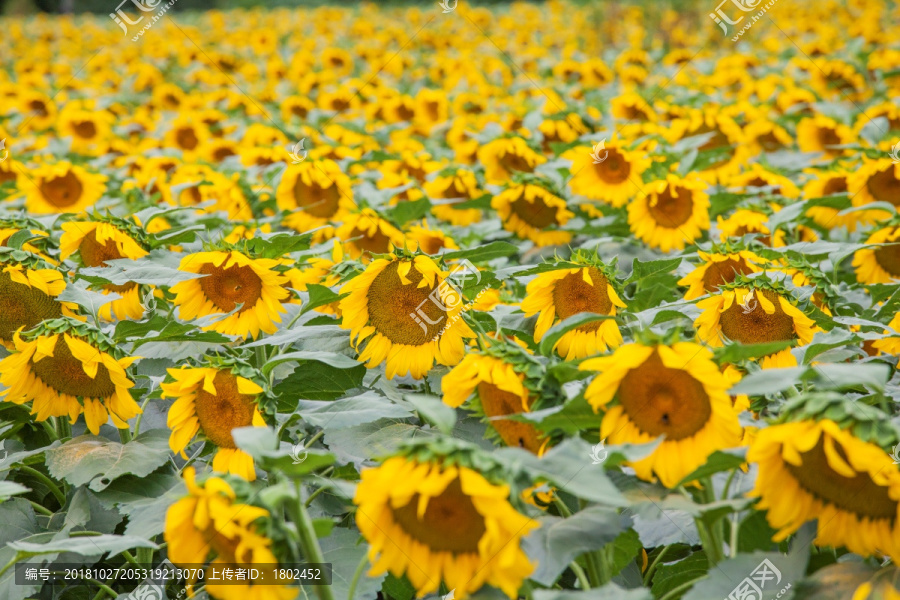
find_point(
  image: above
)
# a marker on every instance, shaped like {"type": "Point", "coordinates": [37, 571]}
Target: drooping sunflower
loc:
{"type": "Point", "coordinates": [228, 279]}
{"type": "Point", "coordinates": [210, 521]}
{"type": "Point", "coordinates": [497, 380]}
{"type": "Point", "coordinates": [504, 157]}
{"type": "Point", "coordinates": [614, 176]}
{"type": "Point", "coordinates": [823, 134]}
{"type": "Point", "coordinates": [671, 213]}
{"type": "Point", "coordinates": [213, 400]}
{"type": "Point", "coordinates": [62, 188]}
{"type": "Point", "coordinates": [64, 368]}
{"type": "Point", "coordinates": [366, 232]}
{"type": "Point", "coordinates": [434, 522]}
{"type": "Point", "coordinates": [879, 264]}
{"type": "Point", "coordinates": [585, 286]}
{"type": "Point", "coordinates": [97, 242]}
{"type": "Point", "coordinates": [744, 221]}
{"type": "Point", "coordinates": [718, 269]}
{"type": "Point", "coordinates": [749, 312]}
{"type": "Point", "coordinates": [28, 292]}
{"type": "Point", "coordinates": [431, 241]}
{"type": "Point", "coordinates": [832, 183]}
{"type": "Point", "coordinates": [533, 213]}
{"type": "Point", "coordinates": [199, 184]}
{"type": "Point", "coordinates": [812, 470]}
{"type": "Point", "coordinates": [407, 314]}
{"type": "Point", "coordinates": [460, 186]}
{"type": "Point", "coordinates": [676, 391]}
{"type": "Point", "coordinates": [315, 194]}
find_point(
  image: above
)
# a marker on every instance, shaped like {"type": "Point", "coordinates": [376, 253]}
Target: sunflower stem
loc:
{"type": "Point", "coordinates": [592, 571]}
{"type": "Point", "coordinates": [655, 562]}
{"type": "Point", "coordinates": [311, 549]}
{"type": "Point", "coordinates": [60, 497]}
{"type": "Point", "coordinates": [144, 556]}
{"type": "Point", "coordinates": [41, 509]}
{"type": "Point", "coordinates": [579, 573]}
{"type": "Point", "coordinates": [137, 422]}
{"type": "Point", "coordinates": [673, 593]}
{"type": "Point", "coordinates": [125, 435]}
{"type": "Point", "coordinates": [356, 575]}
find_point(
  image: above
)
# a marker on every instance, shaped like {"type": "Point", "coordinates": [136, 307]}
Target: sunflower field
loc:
{"type": "Point", "coordinates": [547, 301]}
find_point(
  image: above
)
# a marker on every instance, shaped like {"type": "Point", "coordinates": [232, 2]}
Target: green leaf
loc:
{"type": "Point", "coordinates": [397, 588]}
{"type": "Point", "coordinates": [623, 550]}
{"type": "Point", "coordinates": [555, 333]}
{"type": "Point", "coordinates": [89, 300]}
{"type": "Point", "coordinates": [433, 410]}
{"type": "Point", "coordinates": [843, 375]}
{"type": "Point", "coordinates": [768, 381]}
{"type": "Point", "coordinates": [344, 553]}
{"type": "Point", "coordinates": [8, 489]}
{"type": "Point", "coordinates": [348, 412]}
{"type": "Point", "coordinates": [332, 359]}
{"type": "Point", "coordinates": [667, 577]}
{"type": "Point", "coordinates": [317, 381]}
{"type": "Point", "coordinates": [95, 461]}
{"type": "Point", "coordinates": [610, 591]}
{"type": "Point", "coordinates": [319, 295]}
{"type": "Point", "coordinates": [835, 582]}
{"type": "Point", "coordinates": [85, 546]}
{"type": "Point", "coordinates": [409, 210]}
{"type": "Point", "coordinates": [717, 462]}
{"type": "Point", "coordinates": [572, 417]}
{"type": "Point", "coordinates": [143, 270]}
{"type": "Point", "coordinates": [278, 245]}
{"type": "Point", "coordinates": [735, 353]}
{"type": "Point", "coordinates": [641, 270]}
{"type": "Point", "coordinates": [483, 253]}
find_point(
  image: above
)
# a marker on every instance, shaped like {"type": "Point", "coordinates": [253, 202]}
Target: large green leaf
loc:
{"type": "Point", "coordinates": [348, 412]}
{"type": "Point", "coordinates": [314, 380]}
{"type": "Point", "coordinates": [85, 546]}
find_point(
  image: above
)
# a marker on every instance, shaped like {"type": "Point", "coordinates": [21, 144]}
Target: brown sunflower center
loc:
{"type": "Point", "coordinates": [858, 494]}
{"type": "Point", "coordinates": [39, 108]}
{"type": "Point", "coordinates": [226, 410]}
{"type": "Point", "coordinates": [451, 522]}
{"type": "Point", "coordinates": [827, 137]}
{"type": "Point", "coordinates": [498, 403]}
{"type": "Point", "coordinates": [671, 210]}
{"type": "Point", "coordinates": [884, 186]}
{"type": "Point", "coordinates": [405, 314]}
{"type": "Point", "coordinates": [23, 306]}
{"type": "Point", "coordinates": [65, 374]}
{"type": "Point", "coordinates": [573, 295]}
{"type": "Point", "coordinates": [318, 202]}
{"type": "Point", "coordinates": [720, 273]}
{"type": "Point", "coordinates": [186, 138]}
{"type": "Point", "coordinates": [537, 214]}
{"type": "Point", "coordinates": [615, 169]}
{"type": "Point", "coordinates": [227, 288]}
{"type": "Point", "coordinates": [376, 243]}
{"type": "Point", "coordinates": [431, 244]}
{"type": "Point", "coordinates": [85, 129]}
{"type": "Point", "coordinates": [754, 325]}
{"type": "Point", "coordinates": [888, 258]}
{"type": "Point", "coordinates": [835, 185]}
{"type": "Point", "coordinates": [660, 400]}
{"type": "Point", "coordinates": [95, 254]}
{"type": "Point", "coordinates": [769, 142]}
{"type": "Point", "coordinates": [515, 162]}
{"type": "Point", "coordinates": [62, 191]}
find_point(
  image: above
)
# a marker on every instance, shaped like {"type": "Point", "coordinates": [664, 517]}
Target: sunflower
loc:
{"type": "Point", "coordinates": [320, 271]}
{"type": "Point", "coordinates": [533, 213]}
{"type": "Point", "coordinates": [564, 292]}
{"type": "Point", "coordinates": [676, 391]}
{"type": "Point", "coordinates": [89, 130]}
{"type": "Point", "coordinates": [314, 194]}
{"type": "Point", "coordinates": [754, 315]}
{"type": "Point", "coordinates": [435, 523]}
{"type": "Point", "coordinates": [814, 470]}
{"type": "Point", "coordinates": [210, 521]}
{"type": "Point", "coordinates": [614, 180]}
{"type": "Point", "coordinates": [28, 294]}
{"type": "Point", "coordinates": [889, 344]}
{"type": "Point", "coordinates": [718, 269]}
{"type": "Point", "coordinates": [407, 314]}
{"type": "Point", "coordinates": [675, 212]}
{"type": "Point", "coordinates": [62, 188]}
{"type": "Point", "coordinates": [365, 233]}
{"type": "Point", "coordinates": [199, 184]}
{"type": "Point", "coordinates": [882, 263]}
{"type": "Point", "coordinates": [505, 156]}
{"type": "Point", "coordinates": [759, 177]}
{"type": "Point", "coordinates": [744, 221]}
{"type": "Point", "coordinates": [97, 242]}
{"type": "Point", "coordinates": [228, 279]}
{"type": "Point", "coordinates": [875, 181]}
{"type": "Point", "coordinates": [500, 390]}
{"type": "Point", "coordinates": [728, 142]}
{"type": "Point", "coordinates": [213, 401]}
{"type": "Point", "coordinates": [430, 240]}
{"type": "Point", "coordinates": [832, 183]}
{"type": "Point", "coordinates": [821, 134]}
{"type": "Point", "coordinates": [461, 186]}
{"type": "Point", "coordinates": [66, 374]}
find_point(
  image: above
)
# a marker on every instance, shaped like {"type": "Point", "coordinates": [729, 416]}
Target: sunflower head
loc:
{"type": "Point", "coordinates": [676, 391]}
{"type": "Point", "coordinates": [214, 398]}
{"type": "Point", "coordinates": [446, 514]}
{"type": "Point", "coordinates": [65, 368]}
{"type": "Point", "coordinates": [407, 313]}
{"type": "Point", "coordinates": [612, 174]}
{"type": "Point", "coordinates": [504, 157]}
{"type": "Point", "coordinates": [670, 213]}
{"type": "Point", "coordinates": [718, 268]}
{"type": "Point", "coordinates": [534, 212]}
{"type": "Point", "coordinates": [63, 188]}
